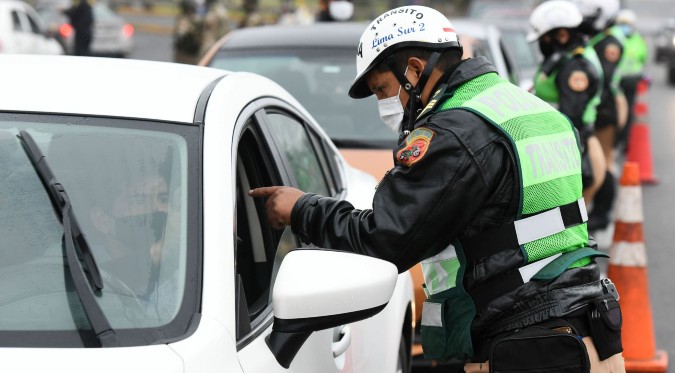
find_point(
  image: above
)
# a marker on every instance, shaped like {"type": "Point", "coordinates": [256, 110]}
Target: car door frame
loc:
{"type": "Point", "coordinates": [261, 327]}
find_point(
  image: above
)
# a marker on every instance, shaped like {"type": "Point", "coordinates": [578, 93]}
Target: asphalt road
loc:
{"type": "Point", "coordinates": [153, 42]}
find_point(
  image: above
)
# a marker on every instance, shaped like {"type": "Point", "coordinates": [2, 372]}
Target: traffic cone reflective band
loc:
{"type": "Point", "coordinates": [639, 144]}
{"type": "Point", "coordinates": [628, 271]}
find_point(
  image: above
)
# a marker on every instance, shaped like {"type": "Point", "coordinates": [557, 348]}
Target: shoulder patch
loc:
{"type": "Point", "coordinates": [416, 146]}
{"type": "Point", "coordinates": [612, 52]}
{"type": "Point", "coordinates": [578, 81]}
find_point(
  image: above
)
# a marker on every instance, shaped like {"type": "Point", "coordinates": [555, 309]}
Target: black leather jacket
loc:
{"type": "Point", "coordinates": [466, 183]}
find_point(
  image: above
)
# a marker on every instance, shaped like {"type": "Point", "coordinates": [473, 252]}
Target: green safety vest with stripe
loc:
{"type": "Point", "coordinates": [545, 86]}
{"type": "Point", "coordinates": [549, 230]}
{"type": "Point", "coordinates": [615, 79]}
{"type": "Point", "coordinates": [635, 52]}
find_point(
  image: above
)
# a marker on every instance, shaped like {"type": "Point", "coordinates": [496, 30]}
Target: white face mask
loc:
{"type": "Point", "coordinates": [391, 111]}
{"type": "Point", "coordinates": [341, 10]}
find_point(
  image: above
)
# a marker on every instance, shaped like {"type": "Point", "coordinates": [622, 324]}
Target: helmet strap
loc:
{"type": "Point", "coordinates": [414, 104]}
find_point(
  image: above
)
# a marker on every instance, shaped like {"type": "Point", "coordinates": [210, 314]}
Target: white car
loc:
{"type": "Point", "coordinates": [151, 257]}
{"type": "Point", "coordinates": [22, 30]}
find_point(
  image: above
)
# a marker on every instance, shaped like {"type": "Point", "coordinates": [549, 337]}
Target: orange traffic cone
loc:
{"type": "Point", "coordinates": [639, 145]}
{"type": "Point", "coordinates": [628, 271]}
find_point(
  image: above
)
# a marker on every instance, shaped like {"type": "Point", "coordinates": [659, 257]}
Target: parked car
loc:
{"type": "Point", "coordinates": [665, 48]}
{"type": "Point", "coordinates": [147, 166]}
{"type": "Point", "coordinates": [482, 38]}
{"type": "Point", "coordinates": [526, 56]}
{"type": "Point", "coordinates": [22, 30]}
{"type": "Point", "coordinates": [113, 36]}
{"type": "Point", "coordinates": [508, 9]}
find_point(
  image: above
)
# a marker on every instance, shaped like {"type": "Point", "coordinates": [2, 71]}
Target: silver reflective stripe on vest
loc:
{"type": "Point", "coordinates": [544, 224]}
{"type": "Point", "coordinates": [432, 314]}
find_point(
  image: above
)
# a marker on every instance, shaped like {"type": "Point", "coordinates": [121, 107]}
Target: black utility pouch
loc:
{"type": "Point", "coordinates": [550, 349]}
{"type": "Point", "coordinates": [604, 319]}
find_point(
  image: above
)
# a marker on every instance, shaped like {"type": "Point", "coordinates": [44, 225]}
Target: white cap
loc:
{"type": "Point", "coordinates": [604, 10]}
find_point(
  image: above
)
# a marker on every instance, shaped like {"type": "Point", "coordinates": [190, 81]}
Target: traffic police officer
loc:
{"type": "Point", "coordinates": [635, 57]}
{"type": "Point", "coordinates": [485, 191]}
{"type": "Point", "coordinates": [607, 40]}
{"type": "Point", "coordinates": [570, 78]}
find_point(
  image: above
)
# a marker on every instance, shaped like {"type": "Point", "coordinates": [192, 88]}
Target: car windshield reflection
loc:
{"type": "Point", "coordinates": [128, 190]}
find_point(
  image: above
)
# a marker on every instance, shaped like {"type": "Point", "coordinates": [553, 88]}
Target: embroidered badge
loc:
{"type": "Point", "coordinates": [612, 53]}
{"type": "Point", "coordinates": [578, 81]}
{"type": "Point", "coordinates": [416, 146]}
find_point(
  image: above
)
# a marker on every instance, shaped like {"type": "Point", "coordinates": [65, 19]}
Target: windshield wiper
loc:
{"type": "Point", "coordinates": [72, 233]}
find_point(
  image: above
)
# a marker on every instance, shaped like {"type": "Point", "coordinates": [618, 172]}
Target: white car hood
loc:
{"type": "Point", "coordinates": [158, 358]}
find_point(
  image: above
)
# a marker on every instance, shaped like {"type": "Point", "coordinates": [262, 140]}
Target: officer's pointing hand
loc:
{"type": "Point", "coordinates": [280, 202]}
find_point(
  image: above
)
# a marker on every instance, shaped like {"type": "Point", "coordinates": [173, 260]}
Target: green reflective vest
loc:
{"type": "Point", "coordinates": [635, 53]}
{"type": "Point", "coordinates": [549, 163]}
{"type": "Point", "coordinates": [545, 86]}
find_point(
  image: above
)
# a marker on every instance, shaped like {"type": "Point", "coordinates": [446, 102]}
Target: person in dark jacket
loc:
{"type": "Point", "coordinates": [485, 192]}
{"type": "Point", "coordinates": [82, 19]}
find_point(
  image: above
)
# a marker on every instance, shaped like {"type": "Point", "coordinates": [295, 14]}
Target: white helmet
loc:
{"type": "Point", "coordinates": [603, 12]}
{"type": "Point", "coordinates": [407, 26]}
{"type": "Point", "coordinates": [551, 15]}
{"type": "Point", "coordinates": [626, 17]}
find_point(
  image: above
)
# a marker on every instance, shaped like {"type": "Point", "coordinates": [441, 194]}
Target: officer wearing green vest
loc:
{"type": "Point", "coordinates": [608, 42]}
{"type": "Point", "coordinates": [485, 192]}
{"type": "Point", "coordinates": [570, 78]}
{"type": "Point", "coordinates": [636, 53]}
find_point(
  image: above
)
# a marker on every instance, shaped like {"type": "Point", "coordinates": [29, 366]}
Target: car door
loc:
{"type": "Point", "coordinates": [274, 147]}
{"type": "Point", "coordinates": [22, 43]}
{"type": "Point", "coordinates": [42, 43]}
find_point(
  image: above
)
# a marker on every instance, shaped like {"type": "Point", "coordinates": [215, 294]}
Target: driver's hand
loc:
{"type": "Point", "coordinates": [279, 205]}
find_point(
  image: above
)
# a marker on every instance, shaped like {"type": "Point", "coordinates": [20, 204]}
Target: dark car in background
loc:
{"type": "Point", "coordinates": [665, 48]}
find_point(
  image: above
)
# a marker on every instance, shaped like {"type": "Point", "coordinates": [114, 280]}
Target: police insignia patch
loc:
{"type": "Point", "coordinates": [612, 53]}
{"type": "Point", "coordinates": [416, 146]}
{"type": "Point", "coordinates": [578, 81]}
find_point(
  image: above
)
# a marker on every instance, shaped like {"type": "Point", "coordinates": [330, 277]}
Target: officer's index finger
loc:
{"type": "Point", "coordinates": [263, 192]}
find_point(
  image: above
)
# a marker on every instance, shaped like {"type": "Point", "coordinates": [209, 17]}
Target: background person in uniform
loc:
{"type": "Point", "coordinates": [82, 19]}
{"type": "Point", "coordinates": [215, 24]}
{"type": "Point", "coordinates": [187, 34]}
{"type": "Point", "coordinates": [635, 56]}
{"type": "Point", "coordinates": [570, 78]}
{"type": "Point", "coordinates": [607, 40]}
{"type": "Point", "coordinates": [455, 197]}
{"type": "Point", "coordinates": [335, 11]}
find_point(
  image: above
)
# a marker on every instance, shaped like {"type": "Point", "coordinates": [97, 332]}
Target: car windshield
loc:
{"type": "Point", "coordinates": [128, 190]}
{"type": "Point", "coordinates": [102, 12]}
{"type": "Point", "coordinates": [319, 79]}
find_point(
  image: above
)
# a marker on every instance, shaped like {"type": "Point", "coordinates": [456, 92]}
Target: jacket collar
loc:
{"type": "Point", "coordinates": [457, 75]}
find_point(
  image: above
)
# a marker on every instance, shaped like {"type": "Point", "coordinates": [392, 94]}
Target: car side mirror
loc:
{"type": "Point", "coordinates": [320, 289]}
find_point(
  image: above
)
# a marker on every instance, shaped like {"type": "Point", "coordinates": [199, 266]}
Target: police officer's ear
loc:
{"type": "Point", "coordinates": [415, 68]}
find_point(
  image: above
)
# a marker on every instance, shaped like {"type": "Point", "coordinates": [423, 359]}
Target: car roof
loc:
{"type": "Point", "coordinates": [320, 34]}
{"type": "Point", "coordinates": [474, 28]}
{"type": "Point", "coordinates": [103, 86]}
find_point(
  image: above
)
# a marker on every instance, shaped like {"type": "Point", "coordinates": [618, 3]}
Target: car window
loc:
{"type": "Point", "coordinates": [128, 188]}
{"type": "Point", "coordinates": [16, 21]}
{"type": "Point", "coordinates": [320, 79]}
{"type": "Point", "coordinates": [257, 243]}
{"type": "Point", "coordinates": [303, 161]}
{"type": "Point", "coordinates": [33, 24]}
